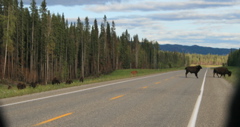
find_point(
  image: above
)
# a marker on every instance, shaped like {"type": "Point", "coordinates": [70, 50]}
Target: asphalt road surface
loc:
{"type": "Point", "coordinates": [160, 100]}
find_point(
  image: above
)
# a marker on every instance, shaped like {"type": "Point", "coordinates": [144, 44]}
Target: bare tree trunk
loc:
{"type": "Point", "coordinates": [32, 50]}
{"type": "Point", "coordinates": [16, 61]}
{"type": "Point", "coordinates": [5, 62]}
{"type": "Point", "coordinates": [53, 70]}
{"type": "Point", "coordinates": [8, 68]}
{"type": "Point", "coordinates": [136, 55]}
{"type": "Point", "coordinates": [75, 67]}
{"type": "Point", "coordinates": [12, 75]}
{"type": "Point", "coordinates": [117, 59]}
{"type": "Point", "coordinates": [6, 51]}
{"type": "Point", "coordinates": [22, 59]}
{"type": "Point", "coordinates": [60, 66]}
{"type": "Point", "coordinates": [22, 45]}
{"type": "Point", "coordinates": [46, 68]}
{"type": "Point", "coordinates": [83, 60]}
{"type": "Point", "coordinates": [76, 60]}
{"type": "Point", "coordinates": [98, 57]}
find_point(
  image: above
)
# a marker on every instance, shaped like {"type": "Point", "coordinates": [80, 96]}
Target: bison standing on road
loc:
{"type": "Point", "coordinates": [193, 69]}
{"type": "Point", "coordinates": [222, 71]}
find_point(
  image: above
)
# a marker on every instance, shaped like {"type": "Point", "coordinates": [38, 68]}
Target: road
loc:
{"type": "Point", "coordinates": [160, 100]}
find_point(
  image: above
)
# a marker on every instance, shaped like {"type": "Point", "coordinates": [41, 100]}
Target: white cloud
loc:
{"type": "Point", "coordinates": [212, 23]}
{"type": "Point", "coordinates": [158, 6]}
{"type": "Point", "coordinates": [195, 15]}
{"type": "Point", "coordinates": [72, 2]}
{"type": "Point", "coordinates": [196, 37]}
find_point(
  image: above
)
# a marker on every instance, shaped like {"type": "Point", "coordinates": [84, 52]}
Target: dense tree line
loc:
{"type": "Point", "coordinates": [234, 58]}
{"type": "Point", "coordinates": [208, 59]}
{"type": "Point", "coordinates": [36, 46]}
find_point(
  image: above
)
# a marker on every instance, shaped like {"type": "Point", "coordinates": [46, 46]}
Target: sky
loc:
{"type": "Point", "coordinates": [209, 23]}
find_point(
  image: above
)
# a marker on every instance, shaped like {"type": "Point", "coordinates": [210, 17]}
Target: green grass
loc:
{"type": "Point", "coordinates": [211, 66]}
{"type": "Point", "coordinates": [118, 74]}
{"type": "Point", "coordinates": [234, 76]}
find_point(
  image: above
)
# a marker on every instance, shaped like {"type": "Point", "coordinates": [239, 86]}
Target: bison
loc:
{"type": "Point", "coordinates": [55, 81]}
{"type": "Point", "coordinates": [222, 71]}
{"type": "Point", "coordinates": [21, 86]}
{"type": "Point", "coordinates": [81, 79]}
{"type": "Point", "coordinates": [9, 87]}
{"type": "Point", "coordinates": [69, 81]}
{"type": "Point", "coordinates": [193, 69]}
{"type": "Point", "coordinates": [33, 84]}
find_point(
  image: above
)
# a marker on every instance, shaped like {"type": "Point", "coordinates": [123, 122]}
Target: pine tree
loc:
{"type": "Point", "coordinates": [94, 50]}
{"type": "Point", "coordinates": [109, 49]}
{"type": "Point", "coordinates": [136, 49]}
{"type": "Point", "coordinates": [97, 47]}
{"type": "Point", "coordinates": [80, 47]}
{"type": "Point", "coordinates": [8, 32]}
{"type": "Point", "coordinates": [42, 71]}
{"type": "Point", "coordinates": [34, 41]}
{"type": "Point", "coordinates": [85, 48]}
{"type": "Point", "coordinates": [114, 45]}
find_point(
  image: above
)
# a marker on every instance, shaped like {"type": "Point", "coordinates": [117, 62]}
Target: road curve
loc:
{"type": "Point", "coordinates": [166, 99]}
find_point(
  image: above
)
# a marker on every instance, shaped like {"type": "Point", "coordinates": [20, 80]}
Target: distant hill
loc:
{"type": "Point", "coordinates": [195, 49]}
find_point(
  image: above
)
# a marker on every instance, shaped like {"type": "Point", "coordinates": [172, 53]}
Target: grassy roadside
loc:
{"type": "Point", "coordinates": [118, 74]}
{"type": "Point", "coordinates": [233, 78]}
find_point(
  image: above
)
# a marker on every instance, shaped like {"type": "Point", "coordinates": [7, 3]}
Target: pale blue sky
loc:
{"type": "Point", "coordinates": [211, 23]}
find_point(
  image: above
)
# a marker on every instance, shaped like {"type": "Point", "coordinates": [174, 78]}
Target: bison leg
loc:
{"type": "Point", "coordinates": [220, 76]}
{"type": "Point", "coordinates": [81, 79]}
{"type": "Point", "coordinates": [186, 74]}
{"type": "Point", "coordinates": [223, 75]}
{"type": "Point", "coordinates": [196, 75]}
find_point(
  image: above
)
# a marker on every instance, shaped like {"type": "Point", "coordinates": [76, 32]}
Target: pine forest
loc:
{"type": "Point", "coordinates": [37, 45]}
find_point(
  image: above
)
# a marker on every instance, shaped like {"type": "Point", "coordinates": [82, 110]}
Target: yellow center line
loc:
{"type": "Point", "coordinates": [116, 97]}
{"type": "Point", "coordinates": [52, 119]}
{"type": "Point", "coordinates": [145, 87]}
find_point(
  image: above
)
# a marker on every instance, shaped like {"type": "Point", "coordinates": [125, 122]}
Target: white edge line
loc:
{"type": "Point", "coordinates": [193, 118]}
{"type": "Point", "coordinates": [80, 90]}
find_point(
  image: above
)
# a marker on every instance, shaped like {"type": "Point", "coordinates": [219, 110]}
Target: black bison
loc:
{"type": "Point", "coordinates": [222, 71]}
{"type": "Point", "coordinates": [81, 79]}
{"type": "Point", "coordinates": [33, 84]}
{"type": "Point", "coordinates": [69, 81]}
{"type": "Point", "coordinates": [9, 87]}
{"type": "Point", "coordinates": [21, 86]}
{"type": "Point", "coordinates": [55, 81]}
{"type": "Point", "coordinates": [193, 69]}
